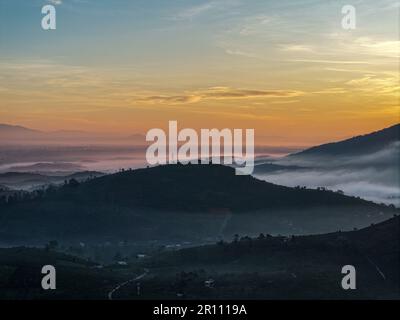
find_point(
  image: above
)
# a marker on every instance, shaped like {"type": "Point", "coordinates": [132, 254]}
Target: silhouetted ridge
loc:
{"type": "Point", "coordinates": [177, 202]}
{"type": "Point", "coordinates": [197, 188]}
{"type": "Point", "coordinates": [363, 144]}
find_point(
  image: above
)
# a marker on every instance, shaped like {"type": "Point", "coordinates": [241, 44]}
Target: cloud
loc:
{"type": "Point", "coordinates": [385, 84]}
{"type": "Point", "coordinates": [257, 25]}
{"type": "Point", "coordinates": [55, 2]}
{"type": "Point", "coordinates": [369, 50]}
{"type": "Point", "coordinates": [297, 48]}
{"type": "Point", "coordinates": [385, 48]}
{"type": "Point", "coordinates": [49, 73]}
{"type": "Point", "coordinates": [171, 99]}
{"type": "Point", "coordinates": [240, 53]}
{"type": "Point", "coordinates": [218, 93]}
{"type": "Point", "coordinates": [195, 11]}
{"type": "Point", "coordinates": [331, 61]}
{"type": "Point", "coordinates": [230, 93]}
{"type": "Point", "coordinates": [331, 91]}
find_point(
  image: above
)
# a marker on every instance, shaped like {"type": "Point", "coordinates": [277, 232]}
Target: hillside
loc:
{"type": "Point", "coordinates": [359, 145]}
{"type": "Point", "coordinates": [305, 267]}
{"type": "Point", "coordinates": [265, 267]}
{"type": "Point", "coordinates": [20, 275]}
{"type": "Point", "coordinates": [178, 203]}
{"type": "Point", "coordinates": [197, 188]}
{"type": "Point", "coordinates": [380, 240]}
{"type": "Point", "coordinates": [366, 166]}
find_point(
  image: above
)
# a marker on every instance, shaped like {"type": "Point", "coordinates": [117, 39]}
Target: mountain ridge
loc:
{"type": "Point", "coordinates": [17, 133]}
{"type": "Point", "coordinates": [361, 144]}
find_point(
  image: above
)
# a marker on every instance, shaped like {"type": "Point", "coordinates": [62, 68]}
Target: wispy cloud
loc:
{"type": "Point", "coordinates": [161, 99]}
{"type": "Point", "coordinates": [192, 12]}
{"type": "Point", "coordinates": [49, 73]}
{"type": "Point", "coordinates": [231, 93]}
{"type": "Point", "coordinates": [330, 61]}
{"type": "Point", "coordinates": [198, 10]}
{"type": "Point", "coordinates": [257, 25]}
{"type": "Point", "coordinates": [331, 91]}
{"type": "Point", "coordinates": [55, 2]}
{"type": "Point", "coordinates": [217, 93]}
{"type": "Point", "coordinates": [240, 53]}
{"type": "Point", "coordinates": [386, 48]}
{"type": "Point", "coordinates": [297, 48]}
{"type": "Point", "coordinates": [387, 84]}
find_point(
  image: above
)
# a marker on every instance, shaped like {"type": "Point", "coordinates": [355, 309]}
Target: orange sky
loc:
{"type": "Point", "coordinates": [295, 76]}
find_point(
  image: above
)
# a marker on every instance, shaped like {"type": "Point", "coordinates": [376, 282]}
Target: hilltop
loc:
{"type": "Point", "coordinates": [198, 188]}
{"type": "Point", "coordinates": [177, 202]}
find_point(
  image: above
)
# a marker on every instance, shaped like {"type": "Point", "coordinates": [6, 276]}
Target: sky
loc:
{"type": "Point", "coordinates": [284, 68]}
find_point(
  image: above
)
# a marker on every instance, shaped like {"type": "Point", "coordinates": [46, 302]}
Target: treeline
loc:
{"type": "Point", "coordinates": [19, 196]}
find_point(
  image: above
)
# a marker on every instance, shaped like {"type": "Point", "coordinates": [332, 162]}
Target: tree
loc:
{"type": "Point", "coordinates": [261, 236]}
{"type": "Point", "coordinates": [73, 183]}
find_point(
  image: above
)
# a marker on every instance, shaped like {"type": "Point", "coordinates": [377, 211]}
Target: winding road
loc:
{"type": "Point", "coordinates": [119, 286]}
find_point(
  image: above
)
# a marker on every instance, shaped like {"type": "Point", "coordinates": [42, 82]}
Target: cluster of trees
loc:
{"type": "Point", "coordinates": [238, 239]}
{"type": "Point", "coordinates": [22, 196]}
{"type": "Point", "coordinates": [319, 189]}
{"type": "Point", "coordinates": [16, 196]}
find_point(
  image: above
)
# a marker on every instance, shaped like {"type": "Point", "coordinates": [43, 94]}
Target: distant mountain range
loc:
{"type": "Point", "coordinates": [359, 145]}
{"type": "Point", "coordinates": [10, 134]}
{"type": "Point", "coordinates": [6, 129]}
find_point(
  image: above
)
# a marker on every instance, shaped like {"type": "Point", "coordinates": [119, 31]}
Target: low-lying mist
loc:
{"type": "Point", "coordinates": [373, 177]}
